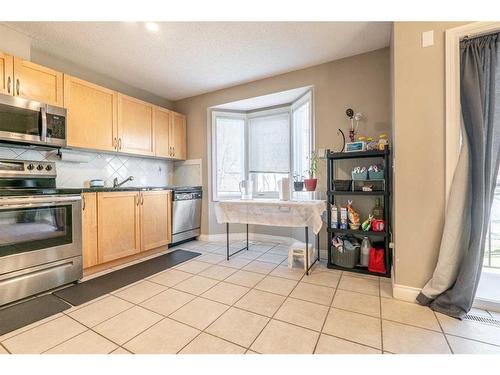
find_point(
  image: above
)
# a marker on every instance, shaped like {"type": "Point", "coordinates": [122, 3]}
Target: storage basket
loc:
{"type": "Point", "coordinates": [374, 185]}
{"type": "Point", "coordinates": [342, 185]}
{"type": "Point", "coordinates": [359, 175]}
{"type": "Point", "coordinates": [346, 256]}
{"type": "Point", "coordinates": [376, 175]}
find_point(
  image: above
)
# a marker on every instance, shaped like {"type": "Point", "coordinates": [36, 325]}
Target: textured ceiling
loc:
{"type": "Point", "coordinates": [184, 59]}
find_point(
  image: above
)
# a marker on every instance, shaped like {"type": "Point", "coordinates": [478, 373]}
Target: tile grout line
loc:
{"type": "Point", "coordinates": [327, 313]}
{"type": "Point", "coordinates": [442, 331]}
{"type": "Point", "coordinates": [381, 322]}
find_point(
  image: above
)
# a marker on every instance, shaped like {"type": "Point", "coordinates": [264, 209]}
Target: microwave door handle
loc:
{"type": "Point", "coordinates": [43, 116]}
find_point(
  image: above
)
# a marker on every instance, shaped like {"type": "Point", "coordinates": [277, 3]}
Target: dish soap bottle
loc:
{"type": "Point", "coordinates": [378, 211]}
{"type": "Point", "coordinates": [365, 252]}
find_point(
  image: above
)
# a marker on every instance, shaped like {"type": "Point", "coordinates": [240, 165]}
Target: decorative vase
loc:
{"type": "Point", "coordinates": [310, 184]}
{"type": "Point", "coordinates": [298, 185]}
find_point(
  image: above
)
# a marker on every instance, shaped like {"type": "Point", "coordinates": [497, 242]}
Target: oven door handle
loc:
{"type": "Point", "coordinates": [37, 201]}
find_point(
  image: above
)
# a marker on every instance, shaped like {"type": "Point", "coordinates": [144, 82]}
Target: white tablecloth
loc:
{"type": "Point", "coordinates": [272, 212]}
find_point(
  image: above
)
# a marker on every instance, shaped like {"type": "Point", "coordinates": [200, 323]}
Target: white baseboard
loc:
{"type": "Point", "coordinates": [405, 293]}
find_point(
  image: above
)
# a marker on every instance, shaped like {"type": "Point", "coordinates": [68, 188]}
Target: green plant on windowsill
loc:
{"type": "Point", "coordinates": [311, 182]}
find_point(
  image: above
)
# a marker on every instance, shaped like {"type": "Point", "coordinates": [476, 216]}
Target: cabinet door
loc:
{"type": "Point", "coordinates": [89, 232]}
{"type": "Point", "coordinates": [6, 74]}
{"type": "Point", "coordinates": [178, 136]}
{"type": "Point", "coordinates": [135, 126]}
{"type": "Point", "coordinates": [163, 120]}
{"type": "Point", "coordinates": [92, 115]}
{"type": "Point", "coordinates": [155, 219]}
{"type": "Point", "coordinates": [118, 225]}
{"type": "Point", "coordinates": [36, 82]}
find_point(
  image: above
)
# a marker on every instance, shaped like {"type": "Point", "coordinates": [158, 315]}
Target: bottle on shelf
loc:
{"type": "Point", "coordinates": [378, 211]}
{"type": "Point", "coordinates": [365, 252]}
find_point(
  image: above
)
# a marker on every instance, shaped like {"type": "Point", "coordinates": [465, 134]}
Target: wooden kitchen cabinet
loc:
{"type": "Point", "coordinates": [156, 213]}
{"type": "Point", "coordinates": [92, 115]}
{"type": "Point", "coordinates": [89, 229]}
{"type": "Point", "coordinates": [6, 74]}
{"type": "Point", "coordinates": [118, 225]}
{"type": "Point", "coordinates": [135, 126]}
{"type": "Point", "coordinates": [178, 136]}
{"type": "Point", "coordinates": [163, 122]}
{"type": "Point", "coordinates": [36, 82]}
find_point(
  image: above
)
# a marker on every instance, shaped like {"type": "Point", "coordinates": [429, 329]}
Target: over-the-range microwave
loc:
{"type": "Point", "coordinates": [25, 121]}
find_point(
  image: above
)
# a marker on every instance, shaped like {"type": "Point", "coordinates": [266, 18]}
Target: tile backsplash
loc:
{"type": "Point", "coordinates": [96, 165]}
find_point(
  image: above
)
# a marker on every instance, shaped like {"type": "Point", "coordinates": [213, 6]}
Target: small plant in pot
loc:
{"type": "Point", "coordinates": [298, 183]}
{"type": "Point", "coordinates": [311, 182]}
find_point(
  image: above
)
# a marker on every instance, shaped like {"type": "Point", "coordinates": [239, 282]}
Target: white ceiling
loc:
{"type": "Point", "coordinates": [265, 101]}
{"type": "Point", "coordinates": [184, 59]}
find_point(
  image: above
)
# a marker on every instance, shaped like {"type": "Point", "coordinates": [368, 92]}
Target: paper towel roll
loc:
{"type": "Point", "coordinates": [284, 189]}
{"type": "Point", "coordinates": [69, 156]}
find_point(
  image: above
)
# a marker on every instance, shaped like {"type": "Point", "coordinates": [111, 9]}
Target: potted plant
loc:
{"type": "Point", "coordinates": [311, 182]}
{"type": "Point", "coordinates": [298, 183]}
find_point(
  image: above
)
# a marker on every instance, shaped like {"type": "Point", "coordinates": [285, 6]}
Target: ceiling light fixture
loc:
{"type": "Point", "coordinates": [152, 26]}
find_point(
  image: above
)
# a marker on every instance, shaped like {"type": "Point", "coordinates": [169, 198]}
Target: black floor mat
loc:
{"type": "Point", "coordinates": [31, 311]}
{"type": "Point", "coordinates": [99, 286]}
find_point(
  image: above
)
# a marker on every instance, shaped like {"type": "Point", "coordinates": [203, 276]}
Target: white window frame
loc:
{"type": "Point", "coordinates": [227, 114]}
{"type": "Point", "coordinates": [308, 96]}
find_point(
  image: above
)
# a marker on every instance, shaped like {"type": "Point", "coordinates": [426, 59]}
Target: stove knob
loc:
{"type": "Point", "coordinates": [39, 167]}
{"type": "Point", "coordinates": [48, 167]}
{"type": "Point", "coordinates": [30, 167]}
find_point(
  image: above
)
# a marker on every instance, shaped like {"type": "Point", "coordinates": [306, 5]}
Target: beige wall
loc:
{"type": "Point", "coordinates": [361, 82]}
{"type": "Point", "coordinates": [419, 140]}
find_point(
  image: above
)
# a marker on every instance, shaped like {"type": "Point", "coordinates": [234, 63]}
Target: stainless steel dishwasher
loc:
{"type": "Point", "coordinates": [186, 213]}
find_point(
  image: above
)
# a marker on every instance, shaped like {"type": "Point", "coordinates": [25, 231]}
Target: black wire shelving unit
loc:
{"type": "Point", "coordinates": [385, 236]}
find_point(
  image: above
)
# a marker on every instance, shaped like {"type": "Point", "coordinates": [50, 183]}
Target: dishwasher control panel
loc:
{"type": "Point", "coordinates": [186, 196]}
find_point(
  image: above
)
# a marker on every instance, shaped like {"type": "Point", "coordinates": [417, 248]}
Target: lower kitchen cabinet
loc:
{"type": "Point", "coordinates": [89, 230]}
{"type": "Point", "coordinates": [118, 225]}
{"type": "Point", "coordinates": [155, 219]}
{"type": "Point", "coordinates": [123, 223]}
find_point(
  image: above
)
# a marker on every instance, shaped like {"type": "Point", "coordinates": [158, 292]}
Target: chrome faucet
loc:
{"type": "Point", "coordinates": [116, 184]}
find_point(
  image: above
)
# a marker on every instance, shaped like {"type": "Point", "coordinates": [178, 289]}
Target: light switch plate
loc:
{"type": "Point", "coordinates": [428, 38]}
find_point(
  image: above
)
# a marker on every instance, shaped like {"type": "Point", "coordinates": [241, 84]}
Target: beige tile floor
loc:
{"type": "Point", "coordinates": [252, 304]}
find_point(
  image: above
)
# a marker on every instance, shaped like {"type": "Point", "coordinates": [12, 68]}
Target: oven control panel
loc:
{"type": "Point", "coordinates": [9, 168]}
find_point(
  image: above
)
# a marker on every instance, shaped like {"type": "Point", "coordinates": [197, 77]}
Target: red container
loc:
{"type": "Point", "coordinates": [378, 225]}
{"type": "Point", "coordinates": [310, 183]}
{"type": "Point", "coordinates": [376, 261]}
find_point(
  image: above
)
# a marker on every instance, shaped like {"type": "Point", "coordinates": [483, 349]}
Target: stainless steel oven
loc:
{"type": "Point", "coordinates": [40, 233]}
{"type": "Point", "coordinates": [29, 122]}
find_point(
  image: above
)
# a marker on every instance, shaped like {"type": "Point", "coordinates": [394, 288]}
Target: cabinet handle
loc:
{"type": "Point", "coordinates": [173, 150]}
{"type": "Point", "coordinates": [137, 200]}
{"type": "Point", "coordinates": [115, 144]}
{"type": "Point", "coordinates": [119, 143]}
{"type": "Point", "coordinates": [18, 85]}
{"type": "Point", "coordinates": [83, 203]}
{"type": "Point", "coordinates": [142, 199]}
{"type": "Point", "coordinates": [9, 84]}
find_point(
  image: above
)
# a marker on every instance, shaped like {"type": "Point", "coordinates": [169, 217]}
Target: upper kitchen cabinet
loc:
{"type": "Point", "coordinates": [135, 126]}
{"type": "Point", "coordinates": [6, 74]}
{"type": "Point", "coordinates": [36, 82]}
{"type": "Point", "coordinates": [92, 115]}
{"type": "Point", "coordinates": [178, 136]}
{"type": "Point", "coordinates": [163, 122]}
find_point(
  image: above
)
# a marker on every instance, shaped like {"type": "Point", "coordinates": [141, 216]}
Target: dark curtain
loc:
{"type": "Point", "coordinates": [479, 85]}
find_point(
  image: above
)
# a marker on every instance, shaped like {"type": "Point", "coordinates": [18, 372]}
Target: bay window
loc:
{"type": "Point", "coordinates": [261, 146]}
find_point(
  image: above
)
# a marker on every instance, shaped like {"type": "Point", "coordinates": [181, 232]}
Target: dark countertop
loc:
{"type": "Point", "coordinates": [49, 191]}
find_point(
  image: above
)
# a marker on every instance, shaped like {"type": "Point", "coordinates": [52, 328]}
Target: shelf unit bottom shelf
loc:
{"type": "Point", "coordinates": [358, 269]}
